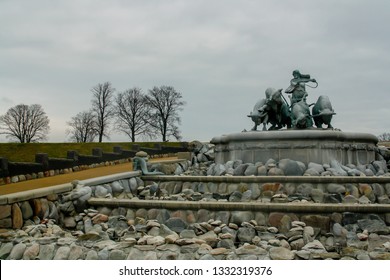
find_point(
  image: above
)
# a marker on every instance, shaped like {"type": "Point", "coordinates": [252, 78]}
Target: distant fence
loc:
{"type": "Point", "coordinates": [45, 163]}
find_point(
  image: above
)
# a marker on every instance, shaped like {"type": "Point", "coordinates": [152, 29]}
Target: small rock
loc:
{"type": "Point", "coordinates": [101, 191]}
{"type": "Point", "coordinates": [117, 255]}
{"type": "Point", "coordinates": [273, 230]}
{"type": "Point", "coordinates": [46, 252]}
{"type": "Point", "coordinates": [17, 217]}
{"type": "Point", "coordinates": [187, 234]}
{"type": "Point", "coordinates": [303, 254]}
{"type": "Point", "coordinates": [62, 253]}
{"type": "Point", "coordinates": [275, 172]}
{"type": "Point", "coordinates": [76, 252]}
{"type": "Point", "coordinates": [235, 196]}
{"type": "Point", "coordinates": [240, 170]}
{"type": "Point", "coordinates": [210, 238]}
{"type": "Point", "coordinates": [336, 188]}
{"type": "Point", "coordinates": [314, 247]}
{"type": "Point", "coordinates": [246, 234]}
{"type": "Point", "coordinates": [281, 253]}
{"type": "Point", "coordinates": [251, 170]}
{"type": "Point", "coordinates": [248, 249]}
{"type": "Point", "coordinates": [70, 222]}
{"type": "Point", "coordinates": [373, 226]}
{"type": "Point", "coordinates": [290, 167]}
{"type": "Point", "coordinates": [92, 255]}
{"type": "Point", "coordinates": [176, 224]}
{"type": "Point", "coordinates": [311, 172]}
{"type": "Point", "coordinates": [156, 241]}
{"type": "Point", "coordinates": [17, 251]}
{"type": "Point", "coordinates": [99, 218]}
{"type": "Point", "coordinates": [31, 253]}
{"type": "Point", "coordinates": [5, 250]}
{"type": "Point", "coordinates": [315, 166]}
{"type": "Point", "coordinates": [363, 236]}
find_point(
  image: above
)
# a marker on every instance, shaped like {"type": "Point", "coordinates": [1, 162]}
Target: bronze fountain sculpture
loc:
{"type": "Point", "coordinates": [291, 133]}
{"type": "Point", "coordinates": [275, 110]}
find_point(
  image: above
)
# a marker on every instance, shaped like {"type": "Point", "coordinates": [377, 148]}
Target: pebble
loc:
{"type": "Point", "coordinates": [280, 253]}
{"type": "Point", "coordinates": [17, 251]}
{"type": "Point", "coordinates": [62, 253]}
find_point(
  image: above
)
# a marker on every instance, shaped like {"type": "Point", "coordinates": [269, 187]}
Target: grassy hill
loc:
{"type": "Point", "coordinates": [18, 152]}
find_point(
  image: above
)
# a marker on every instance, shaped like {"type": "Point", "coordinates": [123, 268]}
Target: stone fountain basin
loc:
{"type": "Point", "coordinates": [309, 145]}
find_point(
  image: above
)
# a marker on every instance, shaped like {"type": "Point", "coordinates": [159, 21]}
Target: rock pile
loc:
{"type": "Point", "coordinates": [118, 238]}
{"type": "Point", "coordinates": [61, 227]}
{"type": "Point", "coordinates": [288, 167]}
{"type": "Point", "coordinates": [135, 188]}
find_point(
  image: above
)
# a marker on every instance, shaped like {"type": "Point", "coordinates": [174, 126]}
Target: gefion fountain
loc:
{"type": "Point", "coordinates": [320, 194]}
{"type": "Point", "coordinates": [292, 134]}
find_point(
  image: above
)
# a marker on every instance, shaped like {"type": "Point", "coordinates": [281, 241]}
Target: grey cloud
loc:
{"type": "Point", "coordinates": [221, 55]}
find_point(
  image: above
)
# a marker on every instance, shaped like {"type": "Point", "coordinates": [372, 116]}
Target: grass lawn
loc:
{"type": "Point", "coordinates": [18, 152]}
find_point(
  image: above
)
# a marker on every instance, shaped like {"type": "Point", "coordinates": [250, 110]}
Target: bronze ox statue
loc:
{"type": "Point", "coordinates": [274, 109]}
{"type": "Point", "coordinates": [300, 115]}
{"type": "Point", "coordinates": [323, 112]}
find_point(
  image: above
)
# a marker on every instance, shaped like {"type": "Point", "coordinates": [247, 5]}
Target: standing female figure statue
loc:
{"type": "Point", "coordinates": [297, 87]}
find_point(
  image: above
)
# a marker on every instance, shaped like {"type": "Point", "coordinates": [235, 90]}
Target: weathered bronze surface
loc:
{"type": "Point", "coordinates": [275, 110]}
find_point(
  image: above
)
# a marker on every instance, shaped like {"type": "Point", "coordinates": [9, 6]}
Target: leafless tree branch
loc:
{"type": "Point", "coordinates": [25, 123]}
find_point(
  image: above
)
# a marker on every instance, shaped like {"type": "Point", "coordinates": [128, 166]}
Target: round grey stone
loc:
{"type": "Point", "coordinates": [187, 233]}
{"type": "Point", "coordinates": [92, 255]}
{"type": "Point", "coordinates": [219, 170]}
{"type": "Point", "coordinates": [5, 250]}
{"type": "Point", "coordinates": [17, 251]}
{"type": "Point", "coordinates": [117, 255]}
{"type": "Point", "coordinates": [176, 224]}
{"type": "Point", "coordinates": [317, 167]}
{"type": "Point", "coordinates": [240, 170]}
{"type": "Point", "coordinates": [246, 196]}
{"type": "Point", "coordinates": [251, 170]}
{"type": "Point", "coordinates": [46, 252]}
{"type": "Point", "coordinates": [235, 196]}
{"type": "Point", "coordinates": [100, 191]}
{"type": "Point", "coordinates": [311, 172]}
{"type": "Point", "coordinates": [133, 185]}
{"type": "Point", "coordinates": [290, 167]}
{"type": "Point", "coordinates": [117, 188]}
{"type": "Point", "coordinates": [262, 171]}
{"type": "Point", "coordinates": [335, 188]}
{"type": "Point", "coordinates": [238, 217]}
{"type": "Point", "coordinates": [27, 211]}
{"type": "Point", "coordinates": [62, 253]}
{"type": "Point", "coordinates": [281, 253]}
{"type": "Point", "coordinates": [274, 171]}
{"type": "Point", "coordinates": [246, 234]}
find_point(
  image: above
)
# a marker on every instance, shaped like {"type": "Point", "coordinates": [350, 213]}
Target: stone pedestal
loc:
{"type": "Point", "coordinates": [309, 145]}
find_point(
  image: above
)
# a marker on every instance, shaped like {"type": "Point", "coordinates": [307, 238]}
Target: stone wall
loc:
{"type": "Point", "coordinates": [308, 145]}
{"type": "Point", "coordinates": [31, 207]}
{"type": "Point", "coordinates": [361, 190]}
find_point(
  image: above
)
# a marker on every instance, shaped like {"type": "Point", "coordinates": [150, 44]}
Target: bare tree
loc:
{"type": "Point", "coordinates": [83, 127]}
{"type": "Point", "coordinates": [25, 123]}
{"type": "Point", "coordinates": [102, 105]}
{"type": "Point", "coordinates": [132, 112]}
{"type": "Point", "coordinates": [384, 137]}
{"type": "Point", "coordinates": [165, 103]}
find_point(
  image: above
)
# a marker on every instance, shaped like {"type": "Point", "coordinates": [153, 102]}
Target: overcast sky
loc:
{"type": "Point", "coordinates": [221, 55]}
